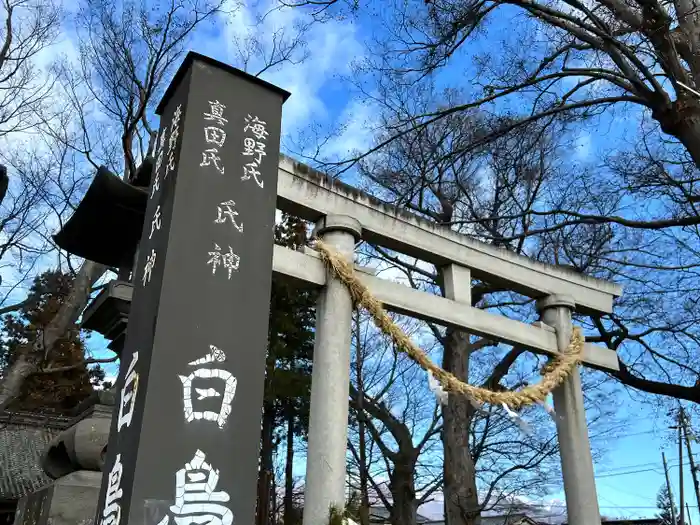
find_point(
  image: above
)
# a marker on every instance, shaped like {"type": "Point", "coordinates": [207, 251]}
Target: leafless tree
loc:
{"type": "Point", "coordinates": [411, 175]}
{"type": "Point", "coordinates": [487, 193]}
{"type": "Point", "coordinates": [44, 187]}
{"type": "Point", "coordinates": [394, 440]}
{"type": "Point", "coordinates": [580, 57]}
{"type": "Point", "coordinates": [103, 111]}
{"type": "Point", "coordinates": [634, 219]}
{"type": "Point", "coordinates": [125, 55]}
{"type": "Point", "coordinates": [270, 41]}
{"type": "Point", "coordinates": [29, 28]}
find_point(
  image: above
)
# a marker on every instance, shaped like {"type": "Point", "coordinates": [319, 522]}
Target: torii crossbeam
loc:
{"type": "Point", "coordinates": [200, 306]}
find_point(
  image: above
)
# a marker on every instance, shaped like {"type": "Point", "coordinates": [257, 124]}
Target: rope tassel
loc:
{"type": "Point", "coordinates": [559, 369]}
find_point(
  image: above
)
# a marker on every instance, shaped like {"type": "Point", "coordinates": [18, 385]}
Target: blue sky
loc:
{"type": "Point", "coordinates": [629, 472]}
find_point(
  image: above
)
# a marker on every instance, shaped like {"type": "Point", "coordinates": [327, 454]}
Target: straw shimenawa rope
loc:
{"type": "Point", "coordinates": [553, 374]}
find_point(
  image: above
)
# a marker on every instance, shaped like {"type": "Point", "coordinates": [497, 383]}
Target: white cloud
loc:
{"type": "Point", "coordinates": [583, 146]}
{"type": "Point", "coordinates": [358, 121]}
{"type": "Point", "coordinates": [329, 51]}
{"type": "Point", "coordinates": [391, 272]}
{"type": "Point", "coordinates": [111, 379]}
{"type": "Point", "coordinates": [331, 47]}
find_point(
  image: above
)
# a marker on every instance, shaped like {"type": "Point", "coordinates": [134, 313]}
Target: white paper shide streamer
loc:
{"type": "Point", "coordinates": [436, 388]}
{"type": "Point", "coordinates": [442, 396]}
{"type": "Point", "coordinates": [547, 405]}
{"type": "Point", "coordinates": [515, 418]}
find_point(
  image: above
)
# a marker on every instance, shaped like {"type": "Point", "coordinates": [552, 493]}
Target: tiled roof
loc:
{"type": "Point", "coordinates": [23, 438]}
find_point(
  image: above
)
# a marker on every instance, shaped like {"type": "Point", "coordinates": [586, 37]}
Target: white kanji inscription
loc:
{"type": "Point", "coordinates": [251, 170]}
{"type": "Point", "coordinates": [230, 261]}
{"type": "Point", "coordinates": [255, 149]}
{"type": "Point", "coordinates": [251, 148]}
{"type": "Point", "coordinates": [177, 114]}
{"type": "Point", "coordinates": [128, 394]}
{"type": "Point", "coordinates": [148, 268]}
{"type": "Point", "coordinates": [159, 163]}
{"type": "Point", "coordinates": [226, 209]}
{"type": "Point", "coordinates": [211, 156]}
{"type": "Point", "coordinates": [156, 222]}
{"type": "Point", "coordinates": [172, 142]}
{"type": "Point", "coordinates": [156, 183]}
{"type": "Point", "coordinates": [196, 499]}
{"type": "Point", "coordinates": [217, 113]}
{"type": "Point", "coordinates": [215, 354]}
{"type": "Point", "coordinates": [203, 393]}
{"type": "Point", "coordinates": [171, 162]}
{"type": "Point", "coordinates": [171, 150]}
{"type": "Point", "coordinates": [256, 127]}
{"type": "Point", "coordinates": [159, 159]}
{"type": "Point", "coordinates": [229, 392]}
{"type": "Point", "coordinates": [112, 511]}
{"type": "Point", "coordinates": [214, 135]}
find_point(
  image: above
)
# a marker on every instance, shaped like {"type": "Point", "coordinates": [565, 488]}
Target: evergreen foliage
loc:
{"type": "Point", "coordinates": [57, 392]}
{"type": "Point", "coordinates": [667, 507]}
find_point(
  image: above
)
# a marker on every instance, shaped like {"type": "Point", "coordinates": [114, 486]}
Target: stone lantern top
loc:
{"type": "Point", "coordinates": [82, 446]}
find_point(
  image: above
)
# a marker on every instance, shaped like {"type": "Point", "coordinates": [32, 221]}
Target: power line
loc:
{"type": "Point", "coordinates": [609, 486]}
{"type": "Point", "coordinates": [608, 501]}
{"type": "Point", "coordinates": [632, 466]}
{"type": "Point", "coordinates": [614, 472]}
{"type": "Point", "coordinates": [635, 468]}
{"type": "Point", "coordinates": [623, 436]}
{"type": "Point", "coordinates": [614, 475]}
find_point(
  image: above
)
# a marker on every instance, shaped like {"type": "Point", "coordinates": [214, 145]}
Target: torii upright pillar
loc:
{"type": "Point", "coordinates": [572, 429]}
{"type": "Point", "coordinates": [330, 381]}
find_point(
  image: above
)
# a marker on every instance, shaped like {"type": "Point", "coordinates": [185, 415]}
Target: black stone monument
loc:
{"type": "Point", "coordinates": [183, 446]}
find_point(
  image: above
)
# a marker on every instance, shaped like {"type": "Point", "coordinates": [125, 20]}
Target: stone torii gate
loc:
{"type": "Point", "coordinates": [167, 461]}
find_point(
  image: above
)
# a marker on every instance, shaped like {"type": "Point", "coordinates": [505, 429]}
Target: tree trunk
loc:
{"type": "Point", "coordinates": [403, 493]}
{"type": "Point", "coordinates": [362, 445]}
{"type": "Point", "coordinates": [266, 449]}
{"type": "Point", "coordinates": [289, 517]}
{"type": "Point", "coordinates": [689, 135]}
{"type": "Point", "coordinates": [30, 358]}
{"type": "Point", "coordinates": [461, 498]}
{"type": "Point", "coordinates": [364, 482]}
{"type": "Point", "coordinates": [681, 119]}
{"type": "Point", "coordinates": [272, 516]}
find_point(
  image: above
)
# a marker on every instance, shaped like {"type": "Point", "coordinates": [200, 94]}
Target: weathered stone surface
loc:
{"type": "Point", "coordinates": [71, 500]}
{"type": "Point", "coordinates": [193, 362]}
{"type": "Point", "coordinates": [82, 446]}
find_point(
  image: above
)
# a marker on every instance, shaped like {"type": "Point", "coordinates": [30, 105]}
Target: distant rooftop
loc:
{"type": "Point", "coordinates": [379, 514]}
{"type": "Point", "coordinates": [23, 439]}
